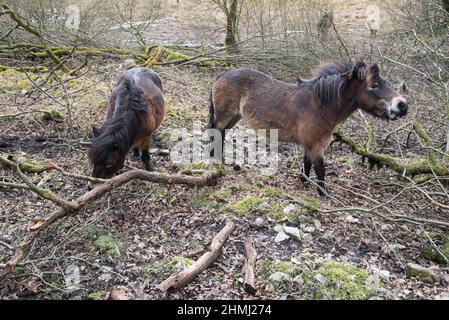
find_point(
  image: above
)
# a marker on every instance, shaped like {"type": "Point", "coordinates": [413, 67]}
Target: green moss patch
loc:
{"type": "Point", "coordinates": [31, 167]}
{"type": "Point", "coordinates": [97, 295]}
{"type": "Point", "coordinates": [248, 205]}
{"type": "Point", "coordinates": [201, 198]}
{"type": "Point", "coordinates": [175, 261]}
{"type": "Point", "coordinates": [341, 281]}
{"type": "Point", "coordinates": [430, 252]}
{"type": "Point", "coordinates": [267, 267]}
{"type": "Point", "coordinates": [100, 238]}
{"type": "Point", "coordinates": [311, 203]}
{"type": "Point", "coordinates": [159, 267]}
{"type": "Point", "coordinates": [52, 115]}
{"type": "Point", "coordinates": [111, 244]}
{"type": "Point", "coordinates": [273, 192]}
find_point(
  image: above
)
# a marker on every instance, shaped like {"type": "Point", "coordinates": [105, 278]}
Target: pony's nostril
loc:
{"type": "Point", "coordinates": [403, 107]}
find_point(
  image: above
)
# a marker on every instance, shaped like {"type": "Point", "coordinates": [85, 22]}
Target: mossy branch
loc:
{"type": "Point", "coordinates": [427, 141]}
{"type": "Point", "coordinates": [68, 208]}
{"type": "Point", "coordinates": [411, 169]}
{"type": "Point", "coordinates": [371, 142]}
{"type": "Point", "coordinates": [25, 166]}
{"type": "Point", "coordinates": [24, 24]}
{"type": "Point", "coordinates": [44, 193]}
{"type": "Point", "coordinates": [160, 55]}
{"type": "Point", "coordinates": [152, 56]}
{"type": "Point", "coordinates": [24, 68]}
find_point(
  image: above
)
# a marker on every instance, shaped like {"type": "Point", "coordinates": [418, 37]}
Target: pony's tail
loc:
{"type": "Point", "coordinates": [128, 82]}
{"type": "Point", "coordinates": [212, 115]}
{"type": "Point", "coordinates": [212, 124]}
{"type": "Point", "coordinates": [133, 96]}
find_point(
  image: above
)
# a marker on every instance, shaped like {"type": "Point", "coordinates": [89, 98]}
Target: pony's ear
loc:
{"type": "Point", "coordinates": [374, 69]}
{"type": "Point", "coordinates": [95, 131]}
{"type": "Point", "coordinates": [358, 72]}
{"type": "Point", "coordinates": [353, 73]}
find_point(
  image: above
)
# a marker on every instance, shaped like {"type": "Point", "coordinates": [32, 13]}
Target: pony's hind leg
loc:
{"type": "Point", "coordinates": [146, 160]}
{"type": "Point", "coordinates": [224, 121]}
{"type": "Point", "coordinates": [145, 157]}
{"type": "Point", "coordinates": [216, 141]}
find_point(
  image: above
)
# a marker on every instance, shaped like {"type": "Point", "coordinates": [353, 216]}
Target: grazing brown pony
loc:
{"type": "Point", "coordinates": [306, 112]}
{"type": "Point", "coordinates": [135, 111]}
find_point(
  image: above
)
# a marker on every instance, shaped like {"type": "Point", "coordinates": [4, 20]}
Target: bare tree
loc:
{"type": "Point", "coordinates": [232, 10]}
{"type": "Point", "coordinates": [135, 17]}
{"type": "Point", "coordinates": [325, 24]}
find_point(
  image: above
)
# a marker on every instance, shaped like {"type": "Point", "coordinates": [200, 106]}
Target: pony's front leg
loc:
{"type": "Point", "coordinates": [320, 171]}
{"type": "Point", "coordinates": [307, 167]}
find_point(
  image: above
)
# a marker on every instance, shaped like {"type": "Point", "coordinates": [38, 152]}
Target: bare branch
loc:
{"type": "Point", "coordinates": [182, 278]}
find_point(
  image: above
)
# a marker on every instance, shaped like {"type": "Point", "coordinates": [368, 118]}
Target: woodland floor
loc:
{"type": "Point", "coordinates": [135, 236]}
{"type": "Point", "coordinates": [138, 235]}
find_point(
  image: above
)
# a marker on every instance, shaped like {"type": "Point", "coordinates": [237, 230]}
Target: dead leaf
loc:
{"type": "Point", "coordinates": [37, 225]}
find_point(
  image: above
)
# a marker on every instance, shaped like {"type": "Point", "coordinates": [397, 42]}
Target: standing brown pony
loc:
{"type": "Point", "coordinates": [135, 111]}
{"type": "Point", "coordinates": [306, 112]}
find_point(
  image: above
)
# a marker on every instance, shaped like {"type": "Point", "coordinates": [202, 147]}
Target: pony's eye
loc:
{"type": "Point", "coordinates": [375, 86]}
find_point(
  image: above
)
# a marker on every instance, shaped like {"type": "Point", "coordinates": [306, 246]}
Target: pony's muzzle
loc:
{"type": "Point", "coordinates": [398, 109]}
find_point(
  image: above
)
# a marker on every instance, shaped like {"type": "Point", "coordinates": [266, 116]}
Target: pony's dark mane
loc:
{"type": "Point", "coordinates": [330, 69]}
{"type": "Point", "coordinates": [329, 83]}
{"type": "Point", "coordinates": [119, 132]}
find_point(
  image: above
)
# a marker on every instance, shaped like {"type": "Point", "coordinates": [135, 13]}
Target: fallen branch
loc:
{"type": "Point", "coordinates": [411, 169]}
{"type": "Point", "coordinates": [24, 68]}
{"type": "Point", "coordinates": [68, 208]}
{"type": "Point", "coordinates": [22, 23]}
{"type": "Point", "coordinates": [156, 55]}
{"type": "Point", "coordinates": [179, 280]}
{"type": "Point", "coordinates": [250, 263]}
{"type": "Point", "coordinates": [26, 166]}
{"type": "Point", "coordinates": [427, 141]}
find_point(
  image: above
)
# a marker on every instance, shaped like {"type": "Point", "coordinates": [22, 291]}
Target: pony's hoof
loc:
{"type": "Point", "coordinates": [304, 182]}
{"type": "Point", "coordinates": [148, 167]}
{"type": "Point", "coordinates": [323, 193]}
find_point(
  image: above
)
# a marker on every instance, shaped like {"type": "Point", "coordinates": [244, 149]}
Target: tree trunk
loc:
{"type": "Point", "coordinates": [232, 28]}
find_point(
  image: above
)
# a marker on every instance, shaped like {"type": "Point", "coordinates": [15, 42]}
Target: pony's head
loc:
{"type": "Point", "coordinates": [373, 94]}
{"type": "Point", "coordinates": [105, 154]}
